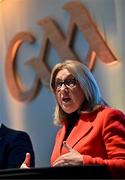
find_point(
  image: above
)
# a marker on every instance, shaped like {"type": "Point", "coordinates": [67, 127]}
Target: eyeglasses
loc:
{"type": "Point", "coordinates": [70, 83]}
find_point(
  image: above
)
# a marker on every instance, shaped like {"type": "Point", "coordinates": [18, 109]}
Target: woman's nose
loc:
{"type": "Point", "coordinates": [63, 87]}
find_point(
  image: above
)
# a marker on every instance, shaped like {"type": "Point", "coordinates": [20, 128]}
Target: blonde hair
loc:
{"type": "Point", "coordinates": [87, 82]}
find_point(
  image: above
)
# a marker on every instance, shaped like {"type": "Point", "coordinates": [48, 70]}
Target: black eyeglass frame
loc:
{"type": "Point", "coordinates": [69, 82]}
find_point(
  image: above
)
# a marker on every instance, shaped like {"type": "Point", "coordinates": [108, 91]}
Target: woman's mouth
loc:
{"type": "Point", "coordinates": [66, 100]}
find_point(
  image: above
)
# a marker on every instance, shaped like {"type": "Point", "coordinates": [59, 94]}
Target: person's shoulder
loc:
{"type": "Point", "coordinates": [11, 129]}
{"type": "Point", "coordinates": [112, 115]}
{"type": "Point", "coordinates": [107, 110]}
{"type": "Point", "coordinates": [13, 132]}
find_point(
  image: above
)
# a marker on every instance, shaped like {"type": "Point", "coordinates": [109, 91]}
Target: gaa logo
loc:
{"type": "Point", "coordinates": [79, 19]}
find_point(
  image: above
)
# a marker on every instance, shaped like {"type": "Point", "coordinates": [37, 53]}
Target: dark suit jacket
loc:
{"type": "Point", "coordinates": [14, 145]}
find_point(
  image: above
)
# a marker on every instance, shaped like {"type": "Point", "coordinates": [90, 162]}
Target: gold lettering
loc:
{"type": "Point", "coordinates": [13, 80]}
{"type": "Point", "coordinates": [79, 19]}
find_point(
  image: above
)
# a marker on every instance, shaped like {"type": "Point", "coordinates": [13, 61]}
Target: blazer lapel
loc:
{"type": "Point", "coordinates": [59, 142]}
{"type": "Point", "coordinates": [81, 129]}
{"type": "Point", "coordinates": [83, 126]}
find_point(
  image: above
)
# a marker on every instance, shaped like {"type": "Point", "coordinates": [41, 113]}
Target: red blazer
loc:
{"type": "Point", "coordinates": [100, 137]}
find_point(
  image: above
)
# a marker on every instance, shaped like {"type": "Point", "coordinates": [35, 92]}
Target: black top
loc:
{"type": "Point", "coordinates": [72, 120]}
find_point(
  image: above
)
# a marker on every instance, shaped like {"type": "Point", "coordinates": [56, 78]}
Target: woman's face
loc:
{"type": "Point", "coordinates": [68, 92]}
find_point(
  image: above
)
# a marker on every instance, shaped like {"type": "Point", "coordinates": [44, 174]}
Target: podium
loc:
{"type": "Point", "coordinates": [72, 172]}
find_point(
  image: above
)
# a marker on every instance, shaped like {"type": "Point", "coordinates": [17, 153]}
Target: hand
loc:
{"type": "Point", "coordinates": [26, 163]}
{"type": "Point", "coordinates": [72, 158]}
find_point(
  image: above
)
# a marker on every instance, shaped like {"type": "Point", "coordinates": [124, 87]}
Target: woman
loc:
{"type": "Point", "coordinates": [92, 133]}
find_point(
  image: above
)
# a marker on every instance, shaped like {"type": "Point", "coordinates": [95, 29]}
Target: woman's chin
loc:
{"type": "Point", "coordinates": [69, 110]}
